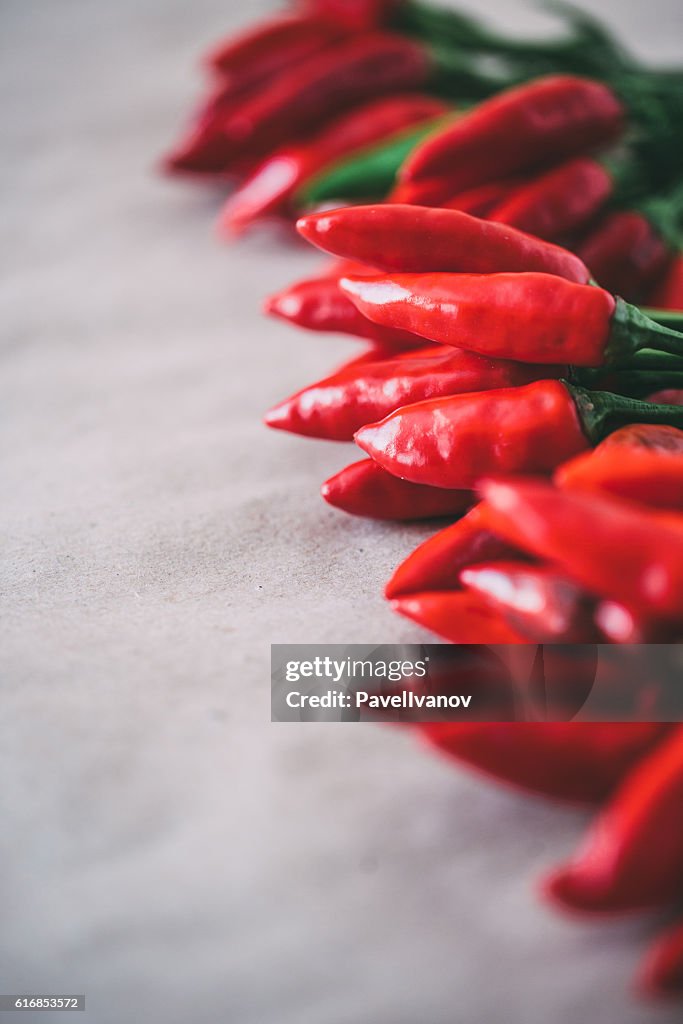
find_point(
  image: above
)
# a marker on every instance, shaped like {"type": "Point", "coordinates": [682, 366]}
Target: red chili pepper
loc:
{"type": "Point", "coordinates": [622, 625]}
{"type": "Point", "coordinates": [654, 436]}
{"type": "Point", "coordinates": [318, 304]}
{"type": "Point", "coordinates": [356, 15]}
{"type": "Point", "coordinates": [581, 762]}
{"type": "Point", "coordinates": [524, 127]}
{"type": "Point", "coordinates": [530, 317]}
{"type": "Point", "coordinates": [454, 441]}
{"type": "Point", "coordinates": [407, 239]}
{"type": "Point", "coordinates": [436, 564]}
{"type": "Point", "coordinates": [670, 396]}
{"type": "Point", "coordinates": [325, 85]}
{"type": "Point", "coordinates": [432, 192]}
{"type": "Point", "coordinates": [633, 854]}
{"type": "Point", "coordinates": [479, 200]}
{"type": "Point", "coordinates": [272, 46]}
{"type": "Point", "coordinates": [203, 150]}
{"type": "Point", "coordinates": [336, 407]}
{"type": "Point", "coordinates": [276, 180]}
{"type": "Point", "coordinates": [363, 489]}
{"type": "Point", "coordinates": [536, 600]}
{"type": "Point", "coordinates": [668, 292]}
{"type": "Point", "coordinates": [625, 254]}
{"type": "Point", "coordinates": [614, 548]}
{"type": "Point", "coordinates": [646, 475]}
{"type": "Point", "coordinates": [559, 202]}
{"type": "Point", "coordinates": [460, 618]}
{"type": "Point", "coordinates": [662, 972]}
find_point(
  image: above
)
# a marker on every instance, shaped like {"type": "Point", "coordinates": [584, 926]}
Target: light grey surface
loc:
{"type": "Point", "coordinates": [164, 848]}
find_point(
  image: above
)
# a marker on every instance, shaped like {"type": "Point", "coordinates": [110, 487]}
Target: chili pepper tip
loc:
{"type": "Point", "coordinates": [568, 892]}
{"type": "Point", "coordinates": [279, 416]}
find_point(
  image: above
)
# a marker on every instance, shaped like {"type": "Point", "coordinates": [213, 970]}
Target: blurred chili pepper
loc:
{"type": "Point", "coordinates": [203, 150]}
{"type": "Point", "coordinates": [364, 489]}
{"type": "Point", "coordinates": [668, 292]}
{"type": "Point", "coordinates": [431, 192]}
{"type": "Point", "coordinates": [669, 396]}
{"type": "Point", "coordinates": [581, 762]}
{"type": "Point", "coordinates": [402, 238]}
{"type": "Point", "coordinates": [271, 47]}
{"type": "Point", "coordinates": [559, 202]}
{"type": "Point", "coordinates": [369, 174]}
{"type": "Point", "coordinates": [460, 618]}
{"type": "Point", "coordinates": [633, 854]}
{"type": "Point", "coordinates": [355, 15]}
{"type": "Point", "coordinates": [612, 547]}
{"type": "Point", "coordinates": [657, 437]}
{"type": "Point", "coordinates": [458, 439]}
{"type": "Point", "coordinates": [646, 475]}
{"type": "Point", "coordinates": [479, 200]}
{"type": "Point", "coordinates": [325, 85]}
{"type": "Point", "coordinates": [436, 564]}
{"type": "Point", "coordinates": [625, 254]}
{"type": "Point", "coordinates": [622, 625]}
{"type": "Point", "coordinates": [662, 971]}
{"type": "Point", "coordinates": [276, 181]}
{"type": "Point", "coordinates": [247, 65]}
{"type": "Point", "coordinates": [339, 405]}
{"type": "Point", "coordinates": [536, 600]}
{"type": "Point", "coordinates": [531, 317]}
{"type": "Point", "coordinates": [318, 304]}
{"type": "Point", "coordinates": [542, 121]}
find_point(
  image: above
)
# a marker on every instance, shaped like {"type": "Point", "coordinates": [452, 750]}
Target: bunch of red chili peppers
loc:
{"type": "Point", "coordinates": [328, 101]}
{"type": "Point", "coordinates": [508, 383]}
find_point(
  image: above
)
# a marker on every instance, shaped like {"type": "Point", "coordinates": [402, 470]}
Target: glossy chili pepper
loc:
{"type": "Point", "coordinates": [271, 47]}
{"type": "Point", "coordinates": [456, 440]}
{"type": "Point", "coordinates": [536, 600]}
{"type": "Point", "coordinates": [669, 396]}
{"type": "Point", "coordinates": [668, 292]}
{"type": "Point", "coordinates": [542, 121]}
{"type": "Point", "coordinates": [325, 85]}
{"type": "Point", "coordinates": [580, 762]}
{"type": "Point", "coordinates": [409, 239]}
{"type": "Point", "coordinates": [662, 971]}
{"type": "Point", "coordinates": [275, 183]}
{"type": "Point", "coordinates": [336, 407]}
{"type": "Point", "coordinates": [369, 174]}
{"type": "Point", "coordinates": [625, 254]}
{"type": "Point", "coordinates": [614, 548]}
{"type": "Point", "coordinates": [559, 202]}
{"type": "Point", "coordinates": [646, 475]}
{"type": "Point", "coordinates": [363, 489]}
{"type": "Point", "coordinates": [633, 854]}
{"type": "Point", "coordinates": [460, 618]}
{"type": "Point", "coordinates": [318, 304]}
{"type": "Point", "coordinates": [531, 317]}
{"type": "Point", "coordinates": [622, 625]}
{"type": "Point", "coordinates": [436, 564]}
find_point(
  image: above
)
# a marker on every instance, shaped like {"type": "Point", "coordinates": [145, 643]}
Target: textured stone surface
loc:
{"type": "Point", "coordinates": [165, 849]}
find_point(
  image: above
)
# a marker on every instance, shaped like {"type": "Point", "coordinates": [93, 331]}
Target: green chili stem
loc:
{"type": "Point", "coordinates": [631, 331]}
{"type": "Point", "coordinates": [602, 412]}
{"type": "Point", "coordinates": [634, 383]}
{"type": "Point", "coordinates": [371, 172]}
{"type": "Point", "coordinates": [665, 317]}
